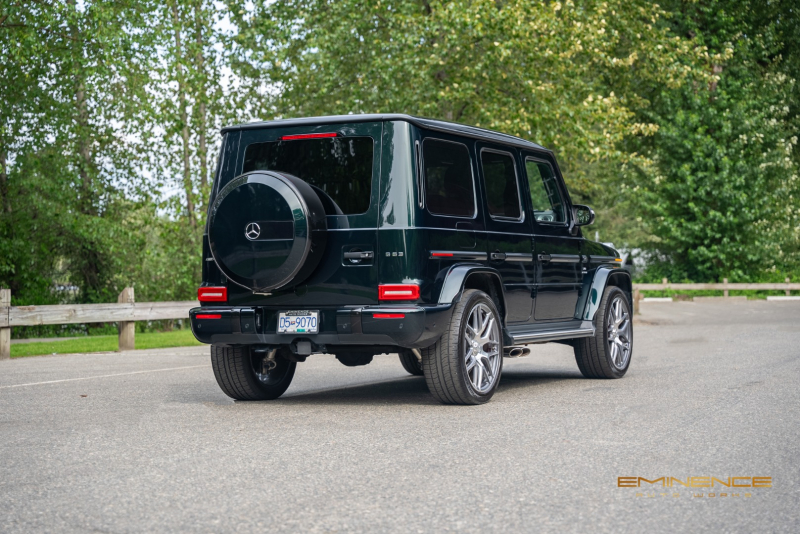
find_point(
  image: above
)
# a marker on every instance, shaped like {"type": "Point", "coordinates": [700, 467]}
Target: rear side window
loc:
{"type": "Point", "coordinates": [545, 196]}
{"type": "Point", "coordinates": [449, 189]}
{"type": "Point", "coordinates": [340, 166]}
{"type": "Point", "coordinates": [500, 176]}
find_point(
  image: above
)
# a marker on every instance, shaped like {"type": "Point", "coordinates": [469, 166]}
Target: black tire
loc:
{"type": "Point", "coordinates": [595, 356]}
{"type": "Point", "coordinates": [411, 363]}
{"type": "Point", "coordinates": [445, 364]}
{"type": "Point", "coordinates": [235, 371]}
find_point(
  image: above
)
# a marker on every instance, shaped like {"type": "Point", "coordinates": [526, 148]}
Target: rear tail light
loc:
{"type": "Point", "coordinates": [208, 316]}
{"type": "Point", "coordinates": [212, 294]}
{"type": "Point", "coordinates": [308, 136]}
{"type": "Point", "coordinates": [388, 315]}
{"type": "Point", "coordinates": [398, 292]}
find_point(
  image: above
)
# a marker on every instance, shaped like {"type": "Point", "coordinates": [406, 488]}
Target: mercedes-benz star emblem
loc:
{"type": "Point", "coordinates": [252, 231]}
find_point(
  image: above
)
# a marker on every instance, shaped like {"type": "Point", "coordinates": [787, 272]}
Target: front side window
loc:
{"type": "Point", "coordinates": [339, 166]}
{"type": "Point", "coordinates": [500, 176]}
{"type": "Point", "coordinates": [545, 196]}
{"type": "Point", "coordinates": [449, 189]}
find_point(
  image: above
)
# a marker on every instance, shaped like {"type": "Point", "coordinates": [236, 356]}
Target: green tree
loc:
{"type": "Point", "coordinates": [720, 197]}
{"type": "Point", "coordinates": [70, 154]}
{"type": "Point", "coordinates": [106, 107]}
{"type": "Point", "coordinates": [188, 107]}
{"type": "Point", "coordinates": [21, 262]}
{"type": "Point", "coordinates": [533, 69]}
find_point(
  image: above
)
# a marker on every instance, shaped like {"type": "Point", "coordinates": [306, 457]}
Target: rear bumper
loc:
{"type": "Point", "coordinates": [420, 326]}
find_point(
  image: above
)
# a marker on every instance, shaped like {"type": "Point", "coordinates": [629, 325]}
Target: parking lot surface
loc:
{"type": "Point", "coordinates": [146, 441]}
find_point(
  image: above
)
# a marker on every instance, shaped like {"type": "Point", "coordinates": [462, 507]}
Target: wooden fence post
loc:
{"type": "Point", "coordinates": [637, 296]}
{"type": "Point", "coordinates": [725, 291]}
{"type": "Point", "coordinates": [5, 327]}
{"type": "Point", "coordinates": [788, 292]}
{"type": "Point", "coordinates": [127, 329]}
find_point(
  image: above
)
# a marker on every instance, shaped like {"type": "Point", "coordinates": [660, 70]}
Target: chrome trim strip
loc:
{"type": "Point", "coordinates": [603, 259]}
{"type": "Point", "coordinates": [458, 255]}
{"type": "Point", "coordinates": [518, 256]}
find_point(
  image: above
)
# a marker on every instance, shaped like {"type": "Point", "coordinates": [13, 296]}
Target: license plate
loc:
{"type": "Point", "coordinates": [298, 322]}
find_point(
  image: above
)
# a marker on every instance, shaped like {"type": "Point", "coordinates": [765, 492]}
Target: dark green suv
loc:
{"type": "Point", "coordinates": [361, 235]}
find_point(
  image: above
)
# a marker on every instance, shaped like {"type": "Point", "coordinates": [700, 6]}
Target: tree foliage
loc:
{"type": "Point", "coordinates": [67, 145]}
{"type": "Point", "coordinates": [720, 196]}
{"type": "Point", "coordinates": [677, 121]}
{"type": "Point", "coordinates": [540, 70]}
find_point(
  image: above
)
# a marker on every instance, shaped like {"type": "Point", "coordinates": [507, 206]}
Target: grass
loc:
{"type": "Point", "coordinates": [158, 340]}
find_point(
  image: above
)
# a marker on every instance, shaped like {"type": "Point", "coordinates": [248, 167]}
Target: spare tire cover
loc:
{"type": "Point", "coordinates": [267, 230]}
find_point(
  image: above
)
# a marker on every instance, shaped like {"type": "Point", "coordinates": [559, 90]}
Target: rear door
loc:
{"type": "Point", "coordinates": [556, 251]}
{"type": "Point", "coordinates": [508, 235]}
{"type": "Point", "coordinates": [342, 163]}
{"type": "Point", "coordinates": [450, 228]}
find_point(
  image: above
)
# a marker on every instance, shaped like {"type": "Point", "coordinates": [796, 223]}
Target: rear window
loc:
{"type": "Point", "coordinates": [448, 178]}
{"type": "Point", "coordinates": [339, 166]}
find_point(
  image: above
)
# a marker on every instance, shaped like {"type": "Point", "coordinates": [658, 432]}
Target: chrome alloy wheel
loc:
{"type": "Point", "coordinates": [482, 348]}
{"type": "Point", "coordinates": [619, 333]}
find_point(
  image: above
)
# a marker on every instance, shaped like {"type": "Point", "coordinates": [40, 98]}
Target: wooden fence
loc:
{"type": "Point", "coordinates": [125, 312]}
{"type": "Point", "coordinates": [725, 287]}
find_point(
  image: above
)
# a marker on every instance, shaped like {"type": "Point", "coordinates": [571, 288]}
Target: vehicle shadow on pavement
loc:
{"type": "Point", "coordinates": [414, 391]}
{"type": "Point", "coordinates": [516, 379]}
{"type": "Point", "coordinates": [406, 390]}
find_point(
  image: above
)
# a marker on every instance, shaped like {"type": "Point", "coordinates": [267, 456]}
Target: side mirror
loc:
{"type": "Point", "coordinates": [583, 215]}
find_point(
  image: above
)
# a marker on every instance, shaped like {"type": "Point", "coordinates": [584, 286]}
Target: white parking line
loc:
{"type": "Point", "coordinates": [103, 376]}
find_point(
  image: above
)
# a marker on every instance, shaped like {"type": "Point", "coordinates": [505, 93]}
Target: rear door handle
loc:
{"type": "Point", "coordinates": [563, 258]}
{"type": "Point", "coordinates": [544, 257]}
{"type": "Point", "coordinates": [358, 255]}
{"type": "Point", "coordinates": [497, 256]}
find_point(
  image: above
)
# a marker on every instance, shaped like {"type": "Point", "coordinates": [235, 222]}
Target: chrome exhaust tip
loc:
{"type": "Point", "coordinates": [516, 352]}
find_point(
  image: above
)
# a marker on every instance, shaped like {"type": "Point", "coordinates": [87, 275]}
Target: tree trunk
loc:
{"type": "Point", "coordinates": [89, 259]}
{"type": "Point", "coordinates": [187, 171]}
{"type": "Point", "coordinates": [203, 151]}
{"type": "Point", "coordinates": [84, 150]}
{"type": "Point", "coordinates": [716, 70]}
{"type": "Point", "coordinates": [82, 112]}
{"type": "Point", "coordinates": [201, 98]}
{"type": "Point", "coordinates": [6, 202]}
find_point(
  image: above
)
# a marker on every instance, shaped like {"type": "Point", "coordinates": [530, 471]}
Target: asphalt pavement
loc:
{"type": "Point", "coordinates": [146, 441]}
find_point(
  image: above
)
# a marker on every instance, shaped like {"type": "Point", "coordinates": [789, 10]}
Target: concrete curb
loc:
{"type": "Point", "coordinates": [724, 299]}
{"type": "Point", "coordinates": [720, 299]}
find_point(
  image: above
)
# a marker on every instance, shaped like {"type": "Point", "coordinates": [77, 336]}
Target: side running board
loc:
{"type": "Point", "coordinates": [542, 336]}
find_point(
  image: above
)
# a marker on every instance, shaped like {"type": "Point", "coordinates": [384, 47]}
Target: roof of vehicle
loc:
{"type": "Point", "coordinates": [431, 124]}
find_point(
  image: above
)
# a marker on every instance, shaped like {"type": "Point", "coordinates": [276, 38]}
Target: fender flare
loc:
{"type": "Point", "coordinates": [593, 286]}
{"type": "Point", "coordinates": [456, 277]}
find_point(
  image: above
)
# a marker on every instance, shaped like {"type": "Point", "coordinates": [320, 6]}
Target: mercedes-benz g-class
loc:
{"type": "Point", "coordinates": [360, 235]}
